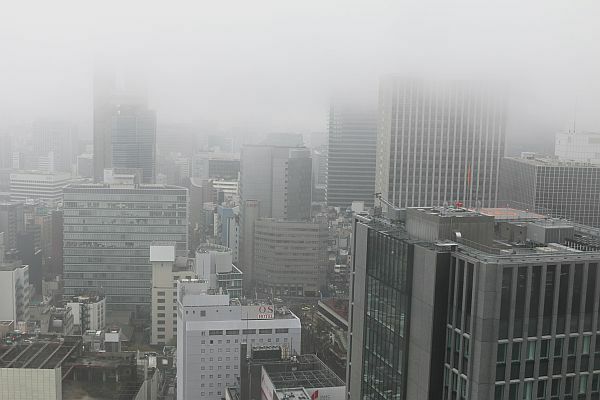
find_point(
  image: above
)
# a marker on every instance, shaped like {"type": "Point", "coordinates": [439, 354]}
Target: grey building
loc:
{"type": "Point", "coordinates": [275, 182]}
{"type": "Point", "coordinates": [564, 189]}
{"type": "Point", "coordinates": [290, 257]}
{"type": "Point", "coordinates": [124, 127]}
{"type": "Point", "coordinates": [439, 142]}
{"type": "Point", "coordinates": [440, 312]}
{"type": "Point", "coordinates": [134, 140]}
{"type": "Point", "coordinates": [351, 155]}
{"type": "Point", "coordinates": [108, 231]}
{"type": "Point", "coordinates": [12, 222]}
{"type": "Point", "coordinates": [279, 178]}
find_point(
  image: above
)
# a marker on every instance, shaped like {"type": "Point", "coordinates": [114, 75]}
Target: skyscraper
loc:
{"type": "Point", "coordinates": [351, 155]}
{"type": "Point", "coordinates": [108, 230]}
{"type": "Point", "coordinates": [449, 303]}
{"type": "Point", "coordinates": [276, 182]}
{"type": "Point", "coordinates": [134, 140]}
{"type": "Point", "coordinates": [439, 142]}
{"type": "Point", "coordinates": [563, 189]}
{"type": "Point", "coordinates": [124, 127]}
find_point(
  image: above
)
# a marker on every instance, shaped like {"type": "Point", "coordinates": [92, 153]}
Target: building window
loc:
{"type": "Point", "coordinates": [215, 332]}
{"type": "Point", "coordinates": [281, 330]}
{"type": "Point", "coordinates": [161, 307]}
{"type": "Point", "coordinates": [232, 332]}
{"type": "Point", "coordinates": [160, 293]}
{"type": "Point", "coordinates": [249, 332]}
{"type": "Point", "coordinates": [160, 315]}
{"type": "Point", "coordinates": [265, 331]}
{"type": "Point", "coordinates": [203, 313]}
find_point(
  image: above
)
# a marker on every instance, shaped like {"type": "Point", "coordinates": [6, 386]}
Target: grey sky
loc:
{"type": "Point", "coordinates": [273, 65]}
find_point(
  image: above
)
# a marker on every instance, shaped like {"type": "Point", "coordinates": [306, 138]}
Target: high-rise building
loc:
{"type": "Point", "coordinates": [212, 165]}
{"type": "Point", "coordinates": [449, 303]}
{"type": "Point", "coordinates": [89, 312]}
{"type": "Point", "coordinates": [439, 142]}
{"type": "Point", "coordinates": [351, 155]}
{"type": "Point", "coordinates": [279, 178]}
{"type": "Point", "coordinates": [562, 189]}
{"type": "Point", "coordinates": [581, 146]}
{"type": "Point", "coordinates": [275, 182]}
{"type": "Point", "coordinates": [54, 145]}
{"type": "Point", "coordinates": [210, 330]}
{"type": "Point", "coordinates": [290, 257]}
{"type": "Point", "coordinates": [133, 141]}
{"type": "Point", "coordinates": [35, 185]}
{"type": "Point", "coordinates": [124, 127]}
{"type": "Point", "coordinates": [108, 230]}
{"type": "Point", "coordinates": [167, 270]}
{"type": "Point", "coordinates": [12, 222]}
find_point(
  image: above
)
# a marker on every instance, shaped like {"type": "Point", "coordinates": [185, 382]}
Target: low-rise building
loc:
{"type": "Point", "coordinates": [89, 312]}
{"type": "Point", "coordinates": [15, 291]}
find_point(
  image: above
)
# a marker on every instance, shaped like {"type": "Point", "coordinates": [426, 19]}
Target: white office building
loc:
{"type": "Point", "coordinates": [210, 330]}
{"type": "Point", "coordinates": [582, 147]}
{"type": "Point", "coordinates": [89, 312]}
{"type": "Point", "coordinates": [214, 263]}
{"type": "Point", "coordinates": [15, 292]}
{"type": "Point", "coordinates": [37, 185]}
{"type": "Point", "coordinates": [167, 269]}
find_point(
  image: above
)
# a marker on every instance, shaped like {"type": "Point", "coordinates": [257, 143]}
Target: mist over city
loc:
{"type": "Point", "coordinates": [269, 200]}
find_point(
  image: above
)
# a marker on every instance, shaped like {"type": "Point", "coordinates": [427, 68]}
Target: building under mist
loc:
{"type": "Point", "coordinates": [439, 142]}
{"type": "Point", "coordinates": [108, 230]}
{"type": "Point", "coordinates": [124, 127]}
{"type": "Point", "coordinates": [562, 189]}
{"type": "Point", "coordinates": [351, 155]}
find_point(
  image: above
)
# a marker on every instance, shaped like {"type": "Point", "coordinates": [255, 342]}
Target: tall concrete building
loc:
{"type": "Point", "coordinates": [276, 182]}
{"type": "Point", "coordinates": [562, 189]}
{"type": "Point", "coordinates": [290, 257]}
{"type": "Point", "coordinates": [449, 303]}
{"type": "Point", "coordinates": [439, 142]}
{"type": "Point", "coordinates": [108, 230]}
{"type": "Point", "coordinates": [167, 270]}
{"type": "Point", "coordinates": [581, 146]}
{"type": "Point", "coordinates": [351, 155]}
{"type": "Point", "coordinates": [134, 140]}
{"type": "Point", "coordinates": [124, 127]}
{"type": "Point", "coordinates": [12, 222]}
{"type": "Point", "coordinates": [211, 327]}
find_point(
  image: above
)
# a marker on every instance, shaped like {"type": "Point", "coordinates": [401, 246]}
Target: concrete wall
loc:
{"type": "Point", "coordinates": [28, 384]}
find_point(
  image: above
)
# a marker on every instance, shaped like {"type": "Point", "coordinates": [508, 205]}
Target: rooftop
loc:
{"type": "Point", "coordinates": [306, 371]}
{"type": "Point", "coordinates": [162, 253]}
{"type": "Point", "coordinates": [545, 161]}
{"type": "Point", "coordinates": [43, 354]}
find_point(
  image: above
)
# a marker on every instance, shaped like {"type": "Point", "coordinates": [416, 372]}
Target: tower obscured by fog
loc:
{"type": "Point", "coordinates": [124, 127]}
{"type": "Point", "coordinates": [439, 142]}
{"type": "Point", "coordinates": [351, 155]}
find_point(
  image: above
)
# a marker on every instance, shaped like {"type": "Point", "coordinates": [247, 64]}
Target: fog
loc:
{"type": "Point", "coordinates": [262, 66]}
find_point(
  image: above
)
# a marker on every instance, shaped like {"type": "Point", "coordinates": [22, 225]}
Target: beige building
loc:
{"type": "Point", "coordinates": [166, 271]}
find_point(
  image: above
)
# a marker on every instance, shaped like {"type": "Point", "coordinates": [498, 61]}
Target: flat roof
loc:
{"type": "Point", "coordinates": [306, 371]}
{"type": "Point", "coordinates": [45, 354]}
{"type": "Point", "coordinates": [162, 253]}
{"type": "Point", "coordinates": [506, 213]}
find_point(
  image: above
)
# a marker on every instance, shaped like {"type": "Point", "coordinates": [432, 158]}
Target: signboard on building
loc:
{"type": "Point", "coordinates": [262, 311]}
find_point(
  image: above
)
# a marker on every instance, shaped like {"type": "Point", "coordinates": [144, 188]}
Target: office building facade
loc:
{"type": "Point", "coordinates": [12, 222]}
{"type": "Point", "coordinates": [108, 230]}
{"type": "Point", "coordinates": [498, 304]}
{"type": "Point", "coordinates": [211, 328]}
{"type": "Point", "coordinates": [581, 146]}
{"type": "Point", "coordinates": [290, 257]}
{"type": "Point", "coordinates": [134, 140]}
{"type": "Point", "coordinates": [34, 185]}
{"type": "Point", "coordinates": [562, 189]}
{"type": "Point", "coordinates": [351, 155]}
{"type": "Point", "coordinates": [439, 142]}
{"type": "Point", "coordinates": [15, 291]}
